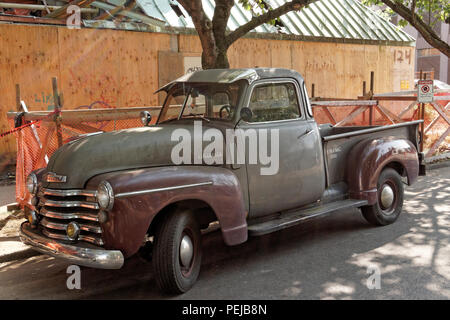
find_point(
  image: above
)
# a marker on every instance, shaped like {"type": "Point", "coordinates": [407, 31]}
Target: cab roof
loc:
{"type": "Point", "coordinates": [233, 75]}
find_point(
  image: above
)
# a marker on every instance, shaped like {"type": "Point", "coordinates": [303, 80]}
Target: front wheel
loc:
{"type": "Point", "coordinates": [389, 199]}
{"type": "Point", "coordinates": [177, 252]}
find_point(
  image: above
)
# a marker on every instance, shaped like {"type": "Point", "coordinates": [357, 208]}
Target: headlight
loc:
{"type": "Point", "coordinates": [32, 183]}
{"type": "Point", "coordinates": [105, 195]}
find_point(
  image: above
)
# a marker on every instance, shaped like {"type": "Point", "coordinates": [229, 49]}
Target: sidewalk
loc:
{"type": "Point", "coordinates": [7, 194]}
{"type": "Point", "coordinates": [11, 248]}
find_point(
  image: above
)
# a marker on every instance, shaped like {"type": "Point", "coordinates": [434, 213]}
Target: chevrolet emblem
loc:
{"type": "Point", "coordinates": [53, 177]}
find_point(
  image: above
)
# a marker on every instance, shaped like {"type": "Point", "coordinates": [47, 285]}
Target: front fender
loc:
{"type": "Point", "coordinates": [132, 214]}
{"type": "Point", "coordinates": [368, 158]}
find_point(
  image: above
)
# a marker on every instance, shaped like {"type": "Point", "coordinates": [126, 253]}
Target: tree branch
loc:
{"type": "Point", "coordinates": [222, 13]}
{"type": "Point", "coordinates": [425, 30]}
{"type": "Point", "coordinates": [266, 17]}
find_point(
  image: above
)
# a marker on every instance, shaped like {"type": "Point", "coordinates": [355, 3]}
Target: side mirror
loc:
{"type": "Point", "coordinates": [146, 118]}
{"type": "Point", "coordinates": [246, 114]}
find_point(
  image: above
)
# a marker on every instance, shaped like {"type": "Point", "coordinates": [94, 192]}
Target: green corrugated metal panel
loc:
{"type": "Point", "coordinates": [333, 19]}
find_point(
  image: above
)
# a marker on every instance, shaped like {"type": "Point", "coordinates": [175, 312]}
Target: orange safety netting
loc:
{"type": "Point", "coordinates": [435, 126]}
{"type": "Point", "coordinates": [38, 140]}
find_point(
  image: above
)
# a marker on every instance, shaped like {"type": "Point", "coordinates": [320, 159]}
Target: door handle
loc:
{"type": "Point", "coordinates": [308, 131]}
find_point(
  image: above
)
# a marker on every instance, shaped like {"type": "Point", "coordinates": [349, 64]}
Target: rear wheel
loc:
{"type": "Point", "coordinates": [389, 199]}
{"type": "Point", "coordinates": [177, 252]}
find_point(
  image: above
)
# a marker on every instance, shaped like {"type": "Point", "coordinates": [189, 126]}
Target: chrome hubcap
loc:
{"type": "Point", "coordinates": [387, 196]}
{"type": "Point", "coordinates": [186, 251]}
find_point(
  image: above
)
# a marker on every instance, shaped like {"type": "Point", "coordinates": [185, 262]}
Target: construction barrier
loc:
{"type": "Point", "coordinates": [40, 133]}
{"type": "Point", "coordinates": [391, 109]}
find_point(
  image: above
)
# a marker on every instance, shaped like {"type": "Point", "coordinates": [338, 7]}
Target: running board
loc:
{"type": "Point", "coordinates": [292, 218]}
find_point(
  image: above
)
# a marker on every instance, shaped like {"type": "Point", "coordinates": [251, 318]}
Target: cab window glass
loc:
{"type": "Point", "coordinates": [195, 104]}
{"type": "Point", "coordinates": [274, 101]}
{"type": "Point", "coordinates": [202, 100]}
{"type": "Point", "coordinates": [221, 104]}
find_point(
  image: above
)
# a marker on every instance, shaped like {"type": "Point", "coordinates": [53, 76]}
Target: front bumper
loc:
{"type": "Point", "coordinates": [94, 258]}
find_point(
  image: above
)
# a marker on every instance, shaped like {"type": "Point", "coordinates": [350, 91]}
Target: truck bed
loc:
{"type": "Point", "coordinates": [330, 130]}
{"type": "Point", "coordinates": [338, 141]}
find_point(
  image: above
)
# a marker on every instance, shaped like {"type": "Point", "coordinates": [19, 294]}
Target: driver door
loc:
{"type": "Point", "coordinates": [276, 108]}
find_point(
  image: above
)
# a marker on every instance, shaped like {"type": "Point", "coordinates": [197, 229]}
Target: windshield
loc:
{"type": "Point", "coordinates": [202, 100]}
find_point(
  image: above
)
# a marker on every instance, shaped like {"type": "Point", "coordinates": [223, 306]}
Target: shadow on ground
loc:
{"type": "Point", "coordinates": [323, 259]}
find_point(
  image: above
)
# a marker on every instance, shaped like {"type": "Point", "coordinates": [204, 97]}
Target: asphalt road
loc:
{"type": "Point", "coordinates": [323, 259]}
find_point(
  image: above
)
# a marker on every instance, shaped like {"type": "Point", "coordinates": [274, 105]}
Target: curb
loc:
{"type": "Point", "coordinates": [12, 206]}
{"type": "Point", "coordinates": [437, 165]}
{"type": "Point", "coordinates": [22, 254]}
{"type": "Point", "coordinates": [6, 212]}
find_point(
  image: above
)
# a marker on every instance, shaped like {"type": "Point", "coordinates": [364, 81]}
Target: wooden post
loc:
{"type": "Point", "coordinates": [370, 108]}
{"type": "Point", "coordinates": [419, 105]}
{"type": "Point", "coordinates": [422, 126]}
{"type": "Point", "coordinates": [312, 90]}
{"type": "Point", "coordinates": [57, 117]}
{"type": "Point", "coordinates": [61, 101]}
{"type": "Point", "coordinates": [421, 115]}
{"type": "Point", "coordinates": [372, 75]}
{"type": "Point", "coordinates": [18, 99]}
{"type": "Point", "coordinates": [19, 166]}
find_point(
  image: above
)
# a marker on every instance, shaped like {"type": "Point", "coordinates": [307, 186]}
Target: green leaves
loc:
{"type": "Point", "coordinates": [246, 4]}
{"type": "Point", "coordinates": [254, 4]}
{"type": "Point", "coordinates": [423, 15]}
{"type": "Point", "coordinates": [402, 23]}
{"type": "Point", "coordinates": [257, 8]}
{"type": "Point", "coordinates": [430, 11]}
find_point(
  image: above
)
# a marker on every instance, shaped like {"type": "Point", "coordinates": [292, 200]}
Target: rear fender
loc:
{"type": "Point", "coordinates": [369, 157]}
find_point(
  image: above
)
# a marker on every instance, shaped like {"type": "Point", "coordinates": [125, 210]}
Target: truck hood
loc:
{"type": "Point", "coordinates": [133, 148]}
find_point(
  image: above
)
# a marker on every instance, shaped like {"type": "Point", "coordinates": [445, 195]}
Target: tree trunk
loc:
{"type": "Point", "coordinates": [215, 56]}
{"type": "Point", "coordinates": [213, 34]}
{"type": "Point", "coordinates": [222, 60]}
{"type": "Point", "coordinates": [215, 59]}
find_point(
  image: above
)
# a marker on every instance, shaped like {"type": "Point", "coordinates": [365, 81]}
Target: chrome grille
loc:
{"type": "Point", "coordinates": [57, 208]}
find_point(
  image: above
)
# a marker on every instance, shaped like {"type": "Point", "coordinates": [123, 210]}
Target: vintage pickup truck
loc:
{"type": "Point", "coordinates": [104, 196]}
